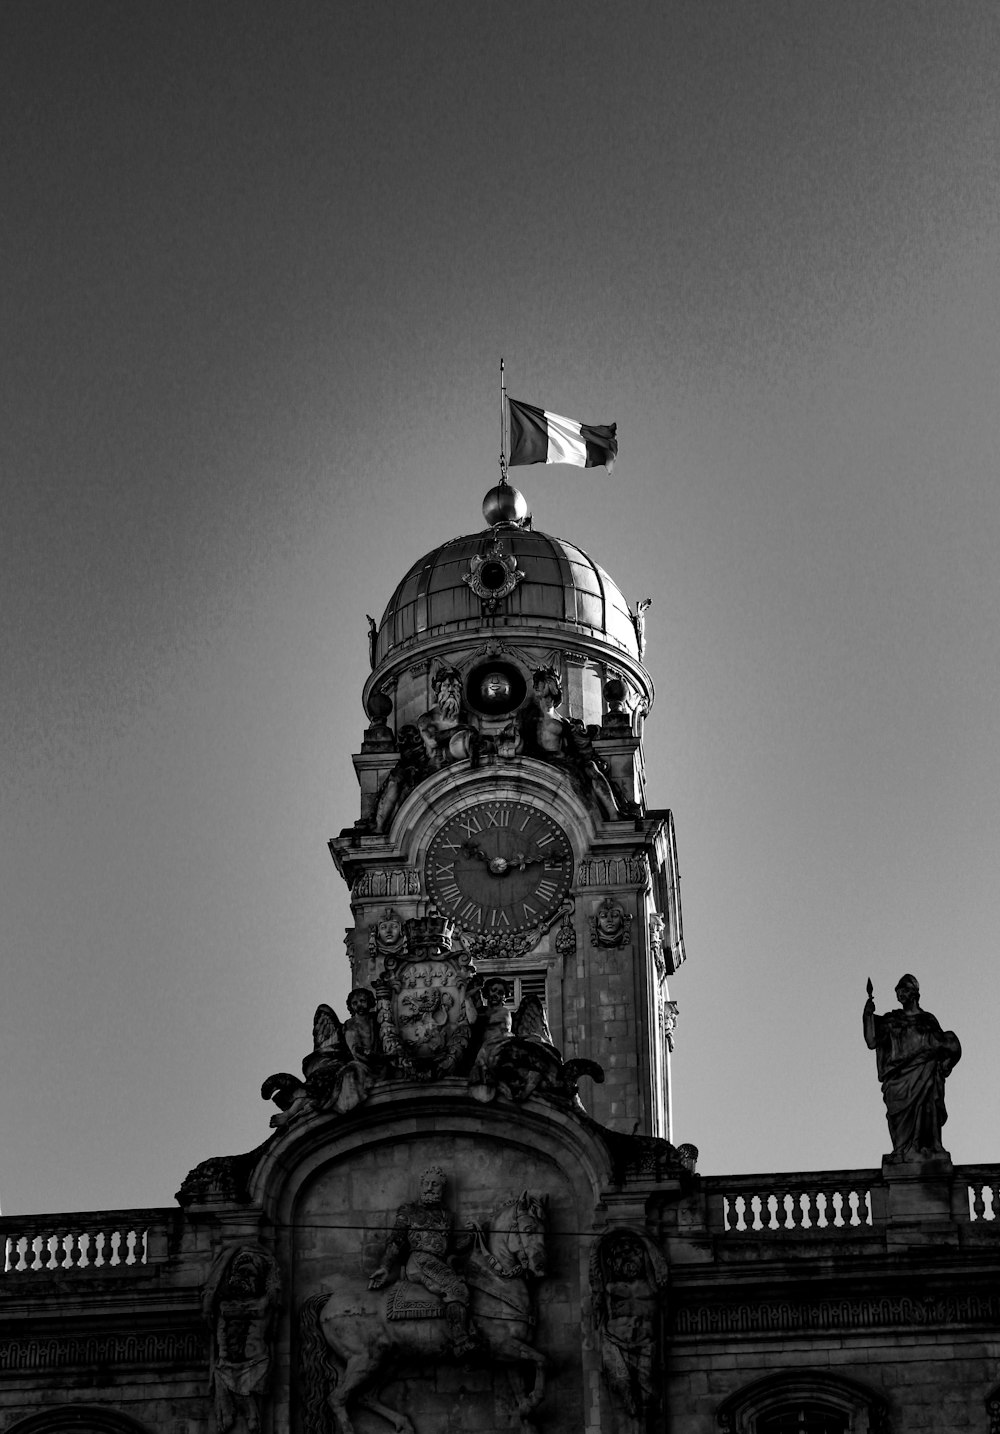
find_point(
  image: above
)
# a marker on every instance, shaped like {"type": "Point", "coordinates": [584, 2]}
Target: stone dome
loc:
{"type": "Point", "coordinates": [561, 587]}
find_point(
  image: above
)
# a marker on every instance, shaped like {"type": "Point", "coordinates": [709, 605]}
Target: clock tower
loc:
{"type": "Point", "coordinates": [504, 816]}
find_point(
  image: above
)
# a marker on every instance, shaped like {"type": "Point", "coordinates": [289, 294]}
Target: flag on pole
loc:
{"type": "Point", "coordinates": [537, 436]}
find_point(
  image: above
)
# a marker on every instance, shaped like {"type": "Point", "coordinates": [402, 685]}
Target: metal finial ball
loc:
{"type": "Point", "coordinates": [504, 504]}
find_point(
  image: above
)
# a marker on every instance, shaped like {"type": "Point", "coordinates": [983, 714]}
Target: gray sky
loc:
{"type": "Point", "coordinates": [260, 263]}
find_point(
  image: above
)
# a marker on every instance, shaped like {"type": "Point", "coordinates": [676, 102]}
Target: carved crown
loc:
{"type": "Point", "coordinates": [427, 935]}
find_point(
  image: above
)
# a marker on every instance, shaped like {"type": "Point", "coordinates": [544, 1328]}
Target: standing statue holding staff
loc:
{"type": "Point", "coordinates": [914, 1056]}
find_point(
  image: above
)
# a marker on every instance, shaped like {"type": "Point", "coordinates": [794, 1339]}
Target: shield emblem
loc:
{"type": "Point", "coordinates": [428, 1010]}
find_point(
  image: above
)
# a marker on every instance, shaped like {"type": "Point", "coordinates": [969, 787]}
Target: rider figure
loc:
{"type": "Point", "coordinates": [419, 1244]}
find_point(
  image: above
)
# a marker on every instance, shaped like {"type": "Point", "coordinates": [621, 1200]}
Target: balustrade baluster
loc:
{"type": "Point", "coordinates": [786, 1211]}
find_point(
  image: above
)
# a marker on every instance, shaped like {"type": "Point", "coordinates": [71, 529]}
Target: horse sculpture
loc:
{"type": "Point", "coordinates": [354, 1329]}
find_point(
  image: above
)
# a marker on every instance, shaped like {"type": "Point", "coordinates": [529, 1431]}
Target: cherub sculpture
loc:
{"type": "Point", "coordinates": [339, 1071]}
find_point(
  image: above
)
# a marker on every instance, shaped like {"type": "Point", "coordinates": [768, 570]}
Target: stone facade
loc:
{"type": "Point", "coordinates": [468, 1214]}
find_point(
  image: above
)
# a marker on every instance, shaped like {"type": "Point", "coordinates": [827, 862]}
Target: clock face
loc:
{"type": "Point", "coordinates": [499, 866]}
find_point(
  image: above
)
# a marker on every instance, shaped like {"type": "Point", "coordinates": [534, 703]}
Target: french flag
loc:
{"type": "Point", "coordinates": [537, 436]}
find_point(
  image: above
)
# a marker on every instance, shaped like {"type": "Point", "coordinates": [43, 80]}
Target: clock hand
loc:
{"type": "Point", "coordinates": [495, 865]}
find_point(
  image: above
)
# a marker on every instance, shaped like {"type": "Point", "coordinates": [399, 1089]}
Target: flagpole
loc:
{"type": "Point", "coordinates": [503, 406]}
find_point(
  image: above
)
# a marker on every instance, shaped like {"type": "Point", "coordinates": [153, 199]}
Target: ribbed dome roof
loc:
{"type": "Point", "coordinates": [561, 586]}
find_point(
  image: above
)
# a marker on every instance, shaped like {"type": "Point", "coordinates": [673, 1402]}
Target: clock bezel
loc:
{"type": "Point", "coordinates": [498, 917]}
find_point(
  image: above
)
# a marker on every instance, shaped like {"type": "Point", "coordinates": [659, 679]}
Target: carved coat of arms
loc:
{"type": "Point", "coordinates": [422, 1001]}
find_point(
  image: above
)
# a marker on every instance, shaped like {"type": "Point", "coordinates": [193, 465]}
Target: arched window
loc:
{"type": "Point", "coordinates": [806, 1402]}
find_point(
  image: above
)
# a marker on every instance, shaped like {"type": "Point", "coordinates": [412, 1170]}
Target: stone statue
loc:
{"type": "Point", "coordinates": [411, 768]}
{"type": "Point", "coordinates": [418, 1247]}
{"type": "Point", "coordinates": [339, 1071]}
{"type": "Point", "coordinates": [639, 623]}
{"type": "Point", "coordinates": [628, 1277]}
{"type": "Point", "coordinates": [558, 739]}
{"type": "Point", "coordinates": [914, 1056]}
{"type": "Point", "coordinates": [373, 638]}
{"type": "Point", "coordinates": [351, 1339]}
{"type": "Point", "coordinates": [445, 729]}
{"type": "Point", "coordinates": [239, 1304]}
{"type": "Point", "coordinates": [492, 1020]}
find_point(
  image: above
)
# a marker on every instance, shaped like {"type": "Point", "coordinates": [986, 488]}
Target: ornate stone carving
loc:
{"type": "Point", "coordinates": [445, 729]}
{"type": "Point", "coordinates": [668, 1021]}
{"type": "Point", "coordinates": [92, 1351]}
{"type": "Point", "coordinates": [614, 871]}
{"type": "Point", "coordinates": [386, 937]}
{"type": "Point", "coordinates": [628, 1279]}
{"type": "Point", "coordinates": [830, 1315]}
{"type": "Point", "coordinates": [495, 1026]}
{"type": "Point", "coordinates": [442, 735]}
{"type": "Point", "coordinates": [648, 1157]}
{"type": "Point", "coordinates": [566, 936]}
{"type": "Point", "coordinates": [914, 1056]}
{"type": "Point", "coordinates": [501, 945]}
{"type": "Point", "coordinates": [493, 576]}
{"type": "Point", "coordinates": [220, 1178]}
{"type": "Point", "coordinates": [341, 1068]}
{"type": "Point", "coordinates": [657, 927]}
{"type": "Point", "coordinates": [610, 925]}
{"type": "Point", "coordinates": [568, 743]}
{"type": "Point", "coordinates": [421, 1000]}
{"type": "Point", "coordinates": [373, 883]}
{"type": "Point", "coordinates": [517, 1058]}
{"type": "Point", "coordinates": [433, 1311]}
{"type": "Point", "coordinates": [412, 767]}
{"type": "Point", "coordinates": [417, 1251]}
{"type": "Point", "coordinates": [239, 1304]}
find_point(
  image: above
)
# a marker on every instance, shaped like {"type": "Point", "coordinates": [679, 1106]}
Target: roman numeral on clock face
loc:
{"type": "Point", "coordinates": [546, 890]}
{"type": "Point", "coordinates": [469, 824]}
{"type": "Point", "coordinates": [498, 817]}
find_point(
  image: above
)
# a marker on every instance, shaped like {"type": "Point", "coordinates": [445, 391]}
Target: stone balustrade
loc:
{"type": "Point", "coordinates": [824, 1203]}
{"type": "Point", "coordinates": [842, 1203]}
{"type": "Point", "coordinates": [977, 1194]}
{"type": "Point", "coordinates": [94, 1242]}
